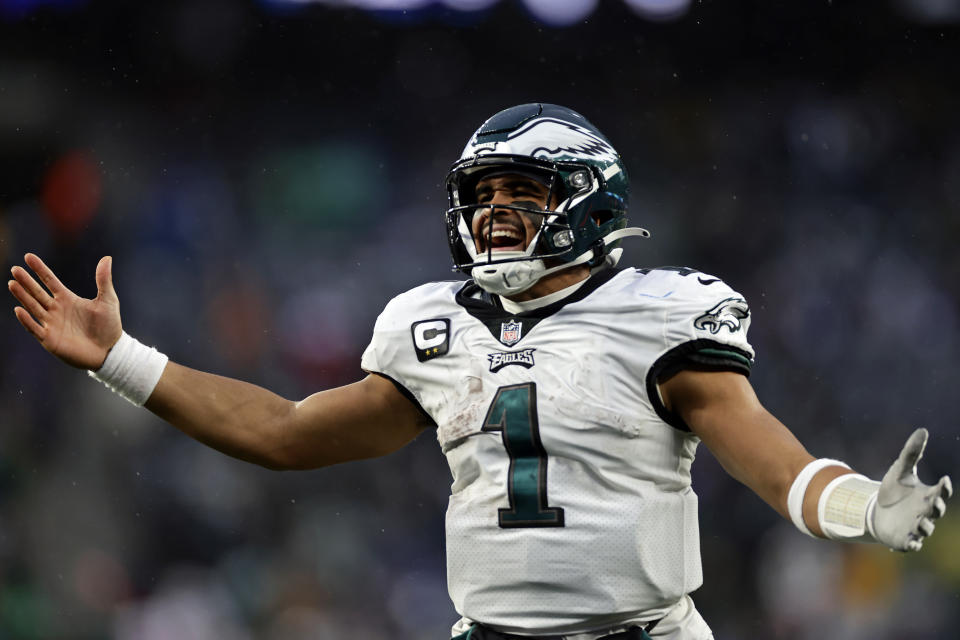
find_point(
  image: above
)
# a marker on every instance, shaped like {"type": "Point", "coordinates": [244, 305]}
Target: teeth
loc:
{"type": "Point", "coordinates": [513, 235]}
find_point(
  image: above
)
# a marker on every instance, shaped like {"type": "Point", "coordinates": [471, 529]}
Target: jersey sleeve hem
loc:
{"type": "Point", "coordinates": [698, 355]}
{"type": "Point", "coordinates": [409, 396]}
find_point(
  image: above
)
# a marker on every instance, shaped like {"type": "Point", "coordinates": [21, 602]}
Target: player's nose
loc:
{"type": "Point", "coordinates": [501, 197]}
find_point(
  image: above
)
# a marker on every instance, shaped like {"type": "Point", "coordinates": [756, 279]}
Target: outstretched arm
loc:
{"type": "Point", "coordinates": [366, 419]}
{"type": "Point", "coordinates": [757, 449]}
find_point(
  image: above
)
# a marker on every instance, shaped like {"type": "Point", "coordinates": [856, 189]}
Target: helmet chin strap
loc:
{"type": "Point", "coordinates": [510, 278]}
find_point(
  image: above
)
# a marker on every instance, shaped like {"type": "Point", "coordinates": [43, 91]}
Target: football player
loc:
{"type": "Point", "coordinates": [567, 394]}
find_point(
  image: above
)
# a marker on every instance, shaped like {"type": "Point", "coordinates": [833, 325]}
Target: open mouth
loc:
{"type": "Point", "coordinates": [501, 236]}
{"type": "Point", "coordinates": [505, 238]}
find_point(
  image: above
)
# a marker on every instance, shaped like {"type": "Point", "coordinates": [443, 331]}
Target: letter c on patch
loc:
{"type": "Point", "coordinates": [431, 338]}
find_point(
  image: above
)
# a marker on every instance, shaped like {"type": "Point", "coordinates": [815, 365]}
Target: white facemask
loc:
{"type": "Point", "coordinates": [510, 278]}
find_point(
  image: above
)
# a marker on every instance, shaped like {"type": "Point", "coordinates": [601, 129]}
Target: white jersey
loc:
{"type": "Point", "coordinates": [571, 507]}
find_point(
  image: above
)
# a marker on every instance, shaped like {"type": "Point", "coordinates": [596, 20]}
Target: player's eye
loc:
{"type": "Point", "coordinates": [524, 193]}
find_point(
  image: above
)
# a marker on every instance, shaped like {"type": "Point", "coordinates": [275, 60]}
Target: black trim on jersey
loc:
{"type": "Point", "coordinates": [409, 396]}
{"type": "Point", "coordinates": [484, 296]}
{"type": "Point", "coordinates": [487, 308]}
{"type": "Point", "coordinates": [683, 271]}
{"type": "Point", "coordinates": [699, 355]}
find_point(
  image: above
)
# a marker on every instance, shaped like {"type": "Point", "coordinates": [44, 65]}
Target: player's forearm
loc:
{"type": "Point", "coordinates": [237, 418]}
{"type": "Point", "coordinates": [770, 475]}
{"type": "Point", "coordinates": [761, 452]}
{"type": "Point", "coordinates": [771, 468]}
{"type": "Point", "coordinates": [811, 498]}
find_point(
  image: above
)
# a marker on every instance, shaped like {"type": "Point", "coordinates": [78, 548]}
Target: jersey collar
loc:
{"type": "Point", "coordinates": [488, 309]}
{"type": "Point", "coordinates": [529, 305]}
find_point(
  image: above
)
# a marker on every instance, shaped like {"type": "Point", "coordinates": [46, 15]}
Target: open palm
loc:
{"type": "Point", "coordinates": [77, 330]}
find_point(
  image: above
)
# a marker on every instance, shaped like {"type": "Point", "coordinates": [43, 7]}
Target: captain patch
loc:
{"type": "Point", "coordinates": [431, 338]}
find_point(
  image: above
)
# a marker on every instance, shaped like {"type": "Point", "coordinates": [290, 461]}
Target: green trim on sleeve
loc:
{"type": "Point", "coordinates": [726, 353]}
{"type": "Point", "coordinates": [699, 355]}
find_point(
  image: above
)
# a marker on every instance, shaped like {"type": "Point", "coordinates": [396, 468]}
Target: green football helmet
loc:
{"type": "Point", "coordinates": [564, 151]}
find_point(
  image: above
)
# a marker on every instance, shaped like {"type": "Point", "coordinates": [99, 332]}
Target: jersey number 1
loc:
{"type": "Point", "coordinates": [513, 413]}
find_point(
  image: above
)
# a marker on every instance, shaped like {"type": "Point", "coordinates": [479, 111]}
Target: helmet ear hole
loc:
{"type": "Point", "coordinates": [601, 217]}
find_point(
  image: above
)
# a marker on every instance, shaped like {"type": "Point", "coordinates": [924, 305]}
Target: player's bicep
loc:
{"type": "Point", "coordinates": [722, 409]}
{"type": "Point", "coordinates": [366, 419]}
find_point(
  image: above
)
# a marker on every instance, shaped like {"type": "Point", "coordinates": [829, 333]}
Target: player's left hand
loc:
{"type": "Point", "coordinates": [77, 330]}
{"type": "Point", "coordinates": [906, 508]}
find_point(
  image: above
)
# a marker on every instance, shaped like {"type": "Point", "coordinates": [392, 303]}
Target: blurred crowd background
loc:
{"type": "Point", "coordinates": [268, 174]}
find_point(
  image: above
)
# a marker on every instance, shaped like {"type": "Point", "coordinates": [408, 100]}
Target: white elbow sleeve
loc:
{"type": "Point", "coordinates": [132, 369]}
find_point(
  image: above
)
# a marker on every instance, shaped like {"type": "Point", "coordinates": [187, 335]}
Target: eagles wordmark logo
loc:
{"type": "Point", "coordinates": [726, 313]}
{"type": "Point", "coordinates": [500, 359]}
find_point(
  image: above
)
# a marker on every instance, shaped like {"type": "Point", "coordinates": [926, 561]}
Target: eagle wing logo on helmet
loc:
{"type": "Point", "coordinates": [568, 140]}
{"type": "Point", "coordinates": [726, 313]}
{"type": "Point", "coordinates": [548, 138]}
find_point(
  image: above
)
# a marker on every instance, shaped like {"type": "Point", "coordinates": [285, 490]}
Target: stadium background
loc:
{"type": "Point", "coordinates": [267, 175]}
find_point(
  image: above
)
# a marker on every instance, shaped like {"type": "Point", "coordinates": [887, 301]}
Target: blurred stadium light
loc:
{"type": "Point", "coordinates": [469, 5]}
{"type": "Point", "coordinates": [659, 9]}
{"type": "Point", "coordinates": [387, 5]}
{"type": "Point", "coordinates": [930, 11]}
{"type": "Point", "coordinates": [19, 7]}
{"type": "Point", "coordinates": [560, 14]}
{"type": "Point", "coordinates": [555, 13]}
{"type": "Point", "coordinates": [370, 5]}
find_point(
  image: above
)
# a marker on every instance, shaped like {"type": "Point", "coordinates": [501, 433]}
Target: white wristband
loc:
{"type": "Point", "coordinates": [845, 508]}
{"type": "Point", "coordinates": [799, 489]}
{"type": "Point", "coordinates": [132, 369]}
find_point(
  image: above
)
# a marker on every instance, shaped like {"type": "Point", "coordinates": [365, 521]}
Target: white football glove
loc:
{"type": "Point", "coordinates": [905, 508]}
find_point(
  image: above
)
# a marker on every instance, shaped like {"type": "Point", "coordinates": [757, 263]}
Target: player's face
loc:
{"type": "Point", "coordinates": [512, 230]}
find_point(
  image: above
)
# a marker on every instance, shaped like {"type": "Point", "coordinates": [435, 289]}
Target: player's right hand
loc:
{"type": "Point", "coordinates": [77, 330]}
{"type": "Point", "coordinates": [906, 507]}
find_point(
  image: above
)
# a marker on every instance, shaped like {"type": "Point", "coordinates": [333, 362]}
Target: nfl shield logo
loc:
{"type": "Point", "coordinates": [510, 333]}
